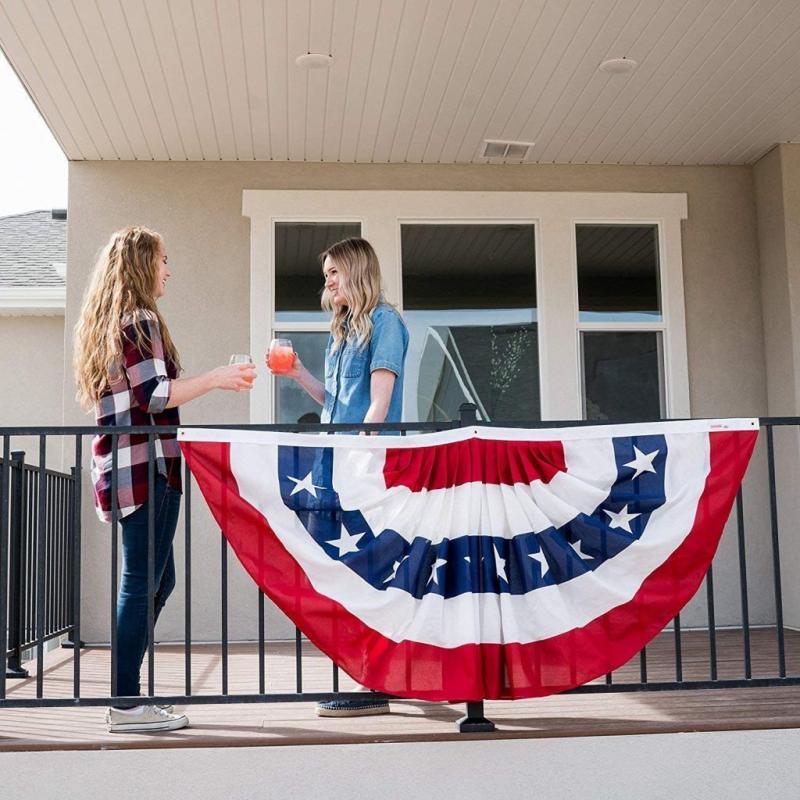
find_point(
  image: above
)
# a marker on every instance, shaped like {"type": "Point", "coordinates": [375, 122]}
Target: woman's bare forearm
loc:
{"type": "Point", "coordinates": [380, 394]}
{"type": "Point", "coordinates": [314, 387]}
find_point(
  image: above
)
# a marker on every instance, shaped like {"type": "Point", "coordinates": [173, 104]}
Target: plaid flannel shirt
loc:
{"type": "Point", "coordinates": [138, 397]}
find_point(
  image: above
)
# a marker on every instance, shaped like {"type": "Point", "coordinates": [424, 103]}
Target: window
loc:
{"type": "Point", "coordinates": [469, 300]}
{"type": "Point", "coordinates": [619, 297]}
{"type": "Point", "coordinates": [298, 316]}
{"type": "Point", "coordinates": [533, 305]}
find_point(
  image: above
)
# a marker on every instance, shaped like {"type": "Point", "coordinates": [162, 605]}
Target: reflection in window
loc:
{"type": "Point", "coordinates": [292, 404]}
{"type": "Point", "coordinates": [618, 273]}
{"type": "Point", "coordinates": [470, 304]}
{"type": "Point", "coordinates": [622, 375]}
{"type": "Point", "coordinates": [298, 273]}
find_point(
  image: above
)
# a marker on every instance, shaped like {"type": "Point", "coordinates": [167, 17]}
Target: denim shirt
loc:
{"type": "Point", "coordinates": [348, 369]}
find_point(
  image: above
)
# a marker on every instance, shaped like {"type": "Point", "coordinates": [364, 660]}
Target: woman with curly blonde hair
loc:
{"type": "Point", "coordinates": [126, 369]}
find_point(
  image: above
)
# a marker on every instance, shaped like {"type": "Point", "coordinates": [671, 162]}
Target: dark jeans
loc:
{"type": "Point", "coordinates": [132, 598]}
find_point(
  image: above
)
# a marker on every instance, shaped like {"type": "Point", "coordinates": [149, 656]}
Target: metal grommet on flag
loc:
{"type": "Point", "coordinates": [478, 563]}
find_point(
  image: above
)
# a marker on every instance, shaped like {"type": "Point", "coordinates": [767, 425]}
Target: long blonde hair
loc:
{"type": "Point", "coordinates": [359, 284]}
{"type": "Point", "coordinates": [120, 289]}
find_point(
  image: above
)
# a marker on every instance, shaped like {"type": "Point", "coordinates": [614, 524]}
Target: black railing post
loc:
{"type": "Point", "coordinates": [73, 520]}
{"type": "Point", "coordinates": [14, 668]}
{"type": "Point", "coordinates": [468, 414]}
{"type": "Point", "coordinates": [474, 720]}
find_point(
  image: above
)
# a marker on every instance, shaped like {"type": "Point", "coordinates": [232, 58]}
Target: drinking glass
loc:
{"type": "Point", "coordinates": [281, 356]}
{"type": "Point", "coordinates": [244, 358]}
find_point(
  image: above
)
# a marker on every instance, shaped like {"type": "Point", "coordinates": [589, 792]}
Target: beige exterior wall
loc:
{"type": "Point", "coordinates": [32, 379]}
{"type": "Point", "coordinates": [777, 184]}
{"type": "Point", "coordinates": [197, 208]}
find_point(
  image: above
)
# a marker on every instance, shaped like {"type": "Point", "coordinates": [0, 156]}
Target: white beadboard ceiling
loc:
{"type": "Point", "coordinates": [419, 81]}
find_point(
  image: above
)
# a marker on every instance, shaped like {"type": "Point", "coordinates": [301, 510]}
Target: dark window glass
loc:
{"type": "Point", "coordinates": [298, 273]}
{"type": "Point", "coordinates": [622, 375]}
{"type": "Point", "coordinates": [618, 273]}
{"type": "Point", "coordinates": [292, 404]}
{"type": "Point", "coordinates": [469, 300]}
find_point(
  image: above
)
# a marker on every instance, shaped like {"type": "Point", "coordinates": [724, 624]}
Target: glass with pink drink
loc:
{"type": "Point", "coordinates": [281, 356]}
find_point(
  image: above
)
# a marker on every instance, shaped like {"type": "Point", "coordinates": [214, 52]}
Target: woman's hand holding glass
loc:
{"type": "Point", "coordinates": [282, 360]}
{"type": "Point", "coordinates": [238, 376]}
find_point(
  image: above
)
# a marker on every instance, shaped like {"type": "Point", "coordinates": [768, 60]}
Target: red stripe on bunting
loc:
{"type": "Point", "coordinates": [475, 671]}
{"type": "Point", "coordinates": [473, 460]}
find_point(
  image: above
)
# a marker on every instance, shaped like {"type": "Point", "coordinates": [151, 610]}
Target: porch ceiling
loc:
{"type": "Point", "coordinates": [421, 81]}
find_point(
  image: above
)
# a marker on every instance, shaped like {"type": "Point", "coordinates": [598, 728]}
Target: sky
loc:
{"type": "Point", "coordinates": [33, 169]}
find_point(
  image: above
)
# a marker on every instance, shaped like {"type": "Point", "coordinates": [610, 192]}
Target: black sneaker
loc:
{"type": "Point", "coordinates": [352, 708]}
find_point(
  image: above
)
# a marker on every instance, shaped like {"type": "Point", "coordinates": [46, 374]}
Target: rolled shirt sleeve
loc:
{"type": "Point", "coordinates": [146, 366]}
{"type": "Point", "coordinates": [389, 341]}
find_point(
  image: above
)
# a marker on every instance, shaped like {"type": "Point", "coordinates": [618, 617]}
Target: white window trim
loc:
{"type": "Point", "coordinates": [554, 214]}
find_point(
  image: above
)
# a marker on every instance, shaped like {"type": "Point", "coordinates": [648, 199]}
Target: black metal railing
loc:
{"type": "Point", "coordinates": [39, 546]}
{"type": "Point", "coordinates": [38, 504]}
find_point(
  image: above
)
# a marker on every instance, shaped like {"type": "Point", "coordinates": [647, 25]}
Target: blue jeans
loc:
{"type": "Point", "coordinates": [132, 638]}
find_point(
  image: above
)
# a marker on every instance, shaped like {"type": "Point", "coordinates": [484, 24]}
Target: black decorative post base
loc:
{"type": "Point", "coordinates": [14, 670]}
{"type": "Point", "coordinates": [474, 721]}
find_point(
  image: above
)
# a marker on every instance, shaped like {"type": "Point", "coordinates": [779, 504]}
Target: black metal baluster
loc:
{"type": "Point", "coordinates": [187, 558]}
{"type": "Point", "coordinates": [151, 564]}
{"type": "Point", "coordinates": [41, 548]}
{"type": "Point", "coordinates": [298, 660]}
{"type": "Point", "coordinates": [643, 665]}
{"type": "Point", "coordinates": [29, 533]}
{"type": "Point", "coordinates": [678, 650]}
{"type": "Point", "coordinates": [776, 556]}
{"type": "Point", "coordinates": [712, 623]}
{"type": "Point", "coordinates": [5, 491]}
{"type": "Point", "coordinates": [262, 673]}
{"type": "Point", "coordinates": [114, 557]}
{"type": "Point", "coordinates": [17, 575]}
{"type": "Point", "coordinates": [748, 669]}
{"type": "Point", "coordinates": [224, 587]}
{"type": "Point", "coordinates": [76, 568]}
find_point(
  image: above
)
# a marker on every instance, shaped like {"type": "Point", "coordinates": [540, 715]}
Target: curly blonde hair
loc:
{"type": "Point", "coordinates": [120, 288]}
{"type": "Point", "coordinates": [359, 284]}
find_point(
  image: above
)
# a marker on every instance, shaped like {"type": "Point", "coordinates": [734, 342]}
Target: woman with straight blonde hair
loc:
{"type": "Point", "coordinates": [364, 364]}
{"type": "Point", "coordinates": [126, 368]}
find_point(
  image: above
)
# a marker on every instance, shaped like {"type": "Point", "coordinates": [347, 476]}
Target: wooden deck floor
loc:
{"type": "Point", "coordinates": [295, 723]}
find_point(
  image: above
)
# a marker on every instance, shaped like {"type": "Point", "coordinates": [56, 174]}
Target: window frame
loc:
{"type": "Point", "coordinates": [555, 216]}
{"type": "Point", "coordinates": [621, 326]}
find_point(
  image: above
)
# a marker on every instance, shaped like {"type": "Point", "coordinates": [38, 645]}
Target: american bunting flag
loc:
{"type": "Point", "coordinates": [477, 563]}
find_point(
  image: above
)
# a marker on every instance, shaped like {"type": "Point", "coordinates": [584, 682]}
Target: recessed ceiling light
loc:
{"type": "Point", "coordinates": [618, 66]}
{"type": "Point", "coordinates": [314, 60]}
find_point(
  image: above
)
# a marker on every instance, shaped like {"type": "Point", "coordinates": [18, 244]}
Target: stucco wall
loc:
{"type": "Point", "coordinates": [32, 379]}
{"type": "Point", "coordinates": [777, 185]}
{"type": "Point", "coordinates": [197, 208]}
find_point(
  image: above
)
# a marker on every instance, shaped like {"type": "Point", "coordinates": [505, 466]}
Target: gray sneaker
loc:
{"type": "Point", "coordinates": [151, 719]}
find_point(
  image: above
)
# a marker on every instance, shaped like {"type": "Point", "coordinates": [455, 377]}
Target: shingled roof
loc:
{"type": "Point", "coordinates": [29, 246]}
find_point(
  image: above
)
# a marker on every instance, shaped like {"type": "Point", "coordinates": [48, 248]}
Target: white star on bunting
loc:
{"type": "Point", "coordinates": [396, 566]}
{"type": "Point", "coordinates": [440, 562]}
{"type": "Point", "coordinates": [621, 519]}
{"type": "Point", "coordinates": [500, 565]}
{"type": "Point", "coordinates": [543, 565]}
{"type": "Point", "coordinates": [576, 546]}
{"type": "Point", "coordinates": [642, 463]}
{"type": "Point", "coordinates": [347, 543]}
{"type": "Point", "coordinates": [304, 485]}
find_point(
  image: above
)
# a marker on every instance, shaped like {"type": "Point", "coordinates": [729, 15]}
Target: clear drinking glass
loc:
{"type": "Point", "coordinates": [281, 356]}
{"type": "Point", "coordinates": [244, 358]}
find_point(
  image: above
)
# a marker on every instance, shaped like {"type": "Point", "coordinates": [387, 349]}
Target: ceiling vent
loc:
{"type": "Point", "coordinates": [497, 148]}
